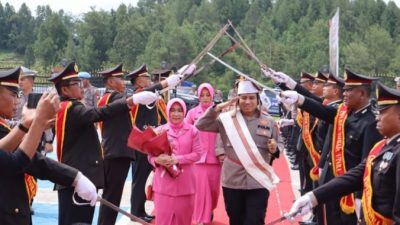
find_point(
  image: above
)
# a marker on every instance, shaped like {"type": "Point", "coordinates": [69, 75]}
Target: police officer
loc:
{"type": "Point", "coordinates": [245, 132]}
{"type": "Point", "coordinates": [77, 140]}
{"type": "Point", "coordinates": [378, 175]}
{"type": "Point", "coordinates": [354, 133]}
{"type": "Point", "coordinates": [117, 155]}
{"type": "Point", "coordinates": [19, 159]}
{"type": "Point", "coordinates": [91, 94]}
{"type": "Point", "coordinates": [144, 116]}
{"type": "Point", "coordinates": [304, 86]}
{"type": "Point", "coordinates": [313, 132]}
{"type": "Point", "coordinates": [306, 122]}
{"type": "Point", "coordinates": [333, 94]}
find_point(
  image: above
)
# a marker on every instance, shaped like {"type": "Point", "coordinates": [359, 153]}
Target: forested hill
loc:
{"type": "Point", "coordinates": [288, 35]}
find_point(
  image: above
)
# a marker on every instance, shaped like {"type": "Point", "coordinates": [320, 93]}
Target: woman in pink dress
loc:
{"type": "Point", "coordinates": [174, 197]}
{"type": "Point", "coordinates": [208, 168]}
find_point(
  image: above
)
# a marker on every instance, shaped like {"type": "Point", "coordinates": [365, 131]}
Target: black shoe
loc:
{"type": "Point", "coordinates": [147, 218]}
{"type": "Point", "coordinates": [294, 167]}
{"type": "Point", "coordinates": [150, 216]}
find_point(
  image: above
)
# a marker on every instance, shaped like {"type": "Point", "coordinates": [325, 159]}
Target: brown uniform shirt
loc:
{"type": "Point", "coordinates": [262, 128]}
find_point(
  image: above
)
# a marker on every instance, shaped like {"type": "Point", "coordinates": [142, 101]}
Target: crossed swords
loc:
{"type": "Point", "coordinates": [197, 59]}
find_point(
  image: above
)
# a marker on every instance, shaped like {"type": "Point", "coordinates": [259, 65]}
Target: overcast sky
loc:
{"type": "Point", "coordinates": [77, 7]}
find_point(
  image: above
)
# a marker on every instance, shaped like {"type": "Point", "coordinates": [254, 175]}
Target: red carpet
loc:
{"type": "Point", "coordinates": [285, 193]}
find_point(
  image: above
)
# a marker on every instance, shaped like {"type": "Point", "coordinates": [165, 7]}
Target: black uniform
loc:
{"type": "Point", "coordinates": [82, 150]}
{"type": "Point", "coordinates": [360, 137]}
{"type": "Point", "coordinates": [145, 117]}
{"type": "Point", "coordinates": [305, 161]}
{"type": "Point", "coordinates": [385, 182]}
{"type": "Point", "coordinates": [15, 207]}
{"type": "Point", "coordinates": [117, 159]}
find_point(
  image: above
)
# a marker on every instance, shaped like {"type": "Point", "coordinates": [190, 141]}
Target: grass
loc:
{"type": "Point", "coordinates": [10, 59]}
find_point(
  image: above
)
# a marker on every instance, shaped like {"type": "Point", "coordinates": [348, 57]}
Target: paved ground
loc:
{"type": "Point", "coordinates": [46, 204]}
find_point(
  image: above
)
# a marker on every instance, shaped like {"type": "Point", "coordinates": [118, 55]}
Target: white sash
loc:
{"type": "Point", "coordinates": [247, 151]}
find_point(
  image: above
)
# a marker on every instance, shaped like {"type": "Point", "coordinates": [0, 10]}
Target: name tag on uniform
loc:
{"type": "Point", "coordinates": [264, 131]}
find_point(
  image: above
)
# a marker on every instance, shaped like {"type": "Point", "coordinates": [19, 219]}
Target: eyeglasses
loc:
{"type": "Point", "coordinates": [305, 81]}
{"type": "Point", "coordinates": [329, 85]}
{"type": "Point", "coordinates": [79, 84]}
{"type": "Point", "coordinates": [318, 82]}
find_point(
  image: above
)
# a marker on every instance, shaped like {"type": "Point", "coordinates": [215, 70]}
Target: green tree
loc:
{"type": "Point", "coordinates": [96, 25]}
{"type": "Point", "coordinates": [381, 49]}
{"type": "Point", "coordinates": [8, 14]}
{"type": "Point", "coordinates": [22, 30]}
{"type": "Point", "coordinates": [51, 41]}
{"type": "Point", "coordinates": [130, 41]}
{"type": "Point", "coordinates": [29, 56]}
{"type": "Point", "coordinates": [89, 55]}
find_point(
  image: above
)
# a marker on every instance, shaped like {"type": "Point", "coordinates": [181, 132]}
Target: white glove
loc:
{"type": "Point", "coordinates": [285, 122]}
{"type": "Point", "coordinates": [183, 71]}
{"type": "Point", "coordinates": [358, 208]}
{"type": "Point", "coordinates": [302, 206]}
{"type": "Point", "coordinates": [289, 97]}
{"type": "Point", "coordinates": [86, 189]}
{"type": "Point", "coordinates": [279, 77]}
{"type": "Point", "coordinates": [173, 80]}
{"type": "Point", "coordinates": [144, 97]}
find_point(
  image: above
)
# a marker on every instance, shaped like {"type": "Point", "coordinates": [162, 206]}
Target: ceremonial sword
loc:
{"type": "Point", "coordinates": [113, 207]}
{"type": "Point", "coordinates": [117, 209]}
{"type": "Point", "coordinates": [285, 217]}
{"type": "Point", "coordinates": [239, 72]}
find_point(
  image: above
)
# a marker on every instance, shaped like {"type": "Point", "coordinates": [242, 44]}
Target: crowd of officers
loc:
{"type": "Point", "coordinates": [338, 129]}
{"type": "Point", "coordinates": [82, 159]}
{"type": "Point", "coordinates": [347, 150]}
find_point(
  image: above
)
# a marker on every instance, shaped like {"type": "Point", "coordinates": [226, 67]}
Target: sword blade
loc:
{"type": "Point", "coordinates": [285, 217]}
{"type": "Point", "coordinates": [239, 72]}
{"type": "Point", "coordinates": [277, 221]}
{"type": "Point", "coordinates": [117, 209]}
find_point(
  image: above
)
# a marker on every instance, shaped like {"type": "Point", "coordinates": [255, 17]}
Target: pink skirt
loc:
{"type": "Point", "coordinates": [173, 210]}
{"type": "Point", "coordinates": [208, 185]}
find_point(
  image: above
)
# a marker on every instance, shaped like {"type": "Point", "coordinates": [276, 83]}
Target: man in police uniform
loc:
{"type": "Point", "coordinates": [378, 175]}
{"type": "Point", "coordinates": [354, 134]}
{"type": "Point", "coordinates": [305, 85]}
{"type": "Point", "coordinates": [313, 132]}
{"type": "Point", "coordinates": [117, 155]}
{"type": "Point", "coordinates": [18, 163]}
{"type": "Point", "coordinates": [331, 95]}
{"type": "Point", "coordinates": [91, 94]}
{"type": "Point", "coordinates": [26, 82]}
{"type": "Point", "coordinates": [306, 122]}
{"type": "Point", "coordinates": [144, 116]}
{"type": "Point", "coordinates": [77, 140]}
{"type": "Point", "coordinates": [245, 186]}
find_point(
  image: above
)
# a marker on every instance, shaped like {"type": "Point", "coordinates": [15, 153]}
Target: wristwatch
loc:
{"type": "Point", "coordinates": [23, 128]}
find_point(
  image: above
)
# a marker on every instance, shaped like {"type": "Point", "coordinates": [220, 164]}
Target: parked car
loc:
{"type": "Point", "coordinates": [187, 94]}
